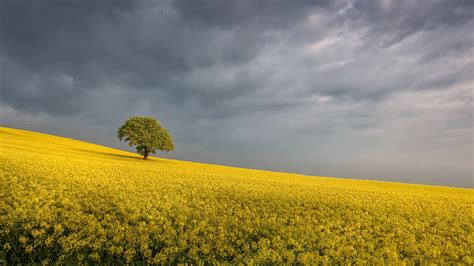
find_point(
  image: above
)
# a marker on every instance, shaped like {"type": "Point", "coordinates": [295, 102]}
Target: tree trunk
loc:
{"type": "Point", "coordinates": [145, 154]}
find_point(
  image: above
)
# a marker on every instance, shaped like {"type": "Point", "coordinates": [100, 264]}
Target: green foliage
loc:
{"type": "Point", "coordinates": [146, 134]}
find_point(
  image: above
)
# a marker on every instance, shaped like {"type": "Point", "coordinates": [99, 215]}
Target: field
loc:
{"type": "Point", "coordinates": [63, 200]}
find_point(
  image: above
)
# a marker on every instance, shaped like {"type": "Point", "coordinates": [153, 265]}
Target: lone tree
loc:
{"type": "Point", "coordinates": [146, 134]}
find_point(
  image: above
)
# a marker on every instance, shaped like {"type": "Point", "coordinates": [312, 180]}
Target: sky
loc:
{"type": "Point", "coordinates": [378, 89]}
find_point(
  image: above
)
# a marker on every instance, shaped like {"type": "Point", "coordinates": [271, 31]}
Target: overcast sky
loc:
{"type": "Point", "coordinates": [366, 89]}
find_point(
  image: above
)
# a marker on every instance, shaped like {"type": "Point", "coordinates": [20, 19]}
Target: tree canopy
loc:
{"type": "Point", "coordinates": [146, 134]}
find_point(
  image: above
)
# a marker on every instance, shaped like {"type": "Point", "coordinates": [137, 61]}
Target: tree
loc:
{"type": "Point", "coordinates": [146, 134]}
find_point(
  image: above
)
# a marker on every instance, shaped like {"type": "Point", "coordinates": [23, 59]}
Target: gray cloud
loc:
{"type": "Point", "coordinates": [393, 21]}
{"type": "Point", "coordinates": [368, 89]}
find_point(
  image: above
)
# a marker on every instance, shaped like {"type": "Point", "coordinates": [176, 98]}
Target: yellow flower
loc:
{"type": "Point", "coordinates": [29, 249]}
{"type": "Point", "coordinates": [44, 224]}
{"type": "Point", "coordinates": [36, 233]}
{"type": "Point", "coordinates": [58, 229]}
{"type": "Point", "coordinates": [49, 241]}
{"type": "Point", "coordinates": [7, 246]}
{"type": "Point", "coordinates": [23, 239]}
{"type": "Point", "coordinates": [94, 256]}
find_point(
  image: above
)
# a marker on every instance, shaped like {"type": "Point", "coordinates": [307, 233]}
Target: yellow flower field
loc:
{"type": "Point", "coordinates": [63, 200]}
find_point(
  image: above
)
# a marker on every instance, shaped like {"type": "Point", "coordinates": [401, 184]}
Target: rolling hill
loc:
{"type": "Point", "coordinates": [64, 200]}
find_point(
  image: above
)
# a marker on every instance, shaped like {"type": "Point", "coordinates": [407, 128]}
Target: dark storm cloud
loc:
{"type": "Point", "coordinates": [304, 86]}
{"type": "Point", "coordinates": [139, 44]}
{"type": "Point", "coordinates": [247, 13]}
{"type": "Point", "coordinates": [49, 51]}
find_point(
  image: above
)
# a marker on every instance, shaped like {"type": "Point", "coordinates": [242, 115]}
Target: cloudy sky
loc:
{"type": "Point", "coordinates": [366, 89]}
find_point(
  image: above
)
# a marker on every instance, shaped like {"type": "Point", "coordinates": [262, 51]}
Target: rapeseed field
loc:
{"type": "Point", "coordinates": [68, 201]}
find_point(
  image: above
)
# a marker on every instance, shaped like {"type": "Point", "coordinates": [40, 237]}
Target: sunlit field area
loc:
{"type": "Point", "coordinates": [63, 200]}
